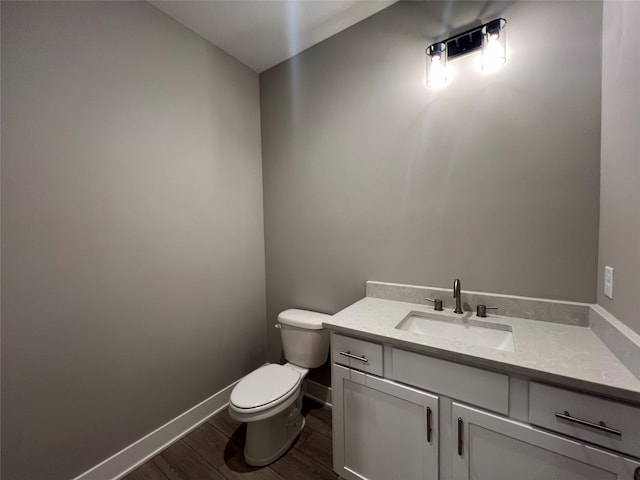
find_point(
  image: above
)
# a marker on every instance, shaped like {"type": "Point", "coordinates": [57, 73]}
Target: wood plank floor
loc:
{"type": "Point", "coordinates": [214, 451]}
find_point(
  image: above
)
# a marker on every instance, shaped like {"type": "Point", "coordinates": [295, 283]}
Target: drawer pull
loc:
{"type": "Point", "coordinates": [429, 424]}
{"type": "Point", "coordinates": [355, 357]}
{"type": "Point", "coordinates": [600, 426]}
{"type": "Point", "coordinates": [460, 435]}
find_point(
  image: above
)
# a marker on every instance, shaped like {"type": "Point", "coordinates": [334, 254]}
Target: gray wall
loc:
{"type": "Point", "coordinates": [494, 178]}
{"type": "Point", "coordinates": [132, 229]}
{"type": "Point", "coordinates": [620, 177]}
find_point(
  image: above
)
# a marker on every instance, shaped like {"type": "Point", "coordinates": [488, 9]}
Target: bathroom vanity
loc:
{"type": "Point", "coordinates": [537, 400]}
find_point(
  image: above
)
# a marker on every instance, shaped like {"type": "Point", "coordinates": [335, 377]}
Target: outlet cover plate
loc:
{"type": "Point", "coordinates": [608, 282]}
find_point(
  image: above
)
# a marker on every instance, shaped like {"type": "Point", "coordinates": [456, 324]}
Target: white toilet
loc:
{"type": "Point", "coordinates": [269, 399]}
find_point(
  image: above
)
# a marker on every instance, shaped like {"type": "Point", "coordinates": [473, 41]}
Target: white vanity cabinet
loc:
{"type": "Point", "coordinates": [411, 416]}
{"type": "Point", "coordinates": [491, 447]}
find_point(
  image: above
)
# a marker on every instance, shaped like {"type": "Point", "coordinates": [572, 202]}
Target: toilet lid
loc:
{"type": "Point", "coordinates": [264, 386]}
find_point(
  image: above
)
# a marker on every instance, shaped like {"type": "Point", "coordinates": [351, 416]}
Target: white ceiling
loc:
{"type": "Point", "coordinates": [263, 33]}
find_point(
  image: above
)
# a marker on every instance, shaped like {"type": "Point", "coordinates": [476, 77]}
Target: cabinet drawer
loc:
{"type": "Point", "coordinates": [472, 385]}
{"type": "Point", "coordinates": [580, 415]}
{"type": "Point", "coordinates": [358, 354]}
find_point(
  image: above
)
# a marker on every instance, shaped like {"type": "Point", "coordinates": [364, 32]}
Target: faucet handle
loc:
{"type": "Point", "coordinates": [481, 310]}
{"type": "Point", "coordinates": [437, 303]}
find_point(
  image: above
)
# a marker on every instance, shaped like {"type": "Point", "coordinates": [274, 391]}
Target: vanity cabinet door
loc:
{"type": "Point", "coordinates": [382, 430]}
{"type": "Point", "coordinates": [490, 447]}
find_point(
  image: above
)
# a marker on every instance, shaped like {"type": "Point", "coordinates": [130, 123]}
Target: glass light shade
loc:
{"type": "Point", "coordinates": [494, 41]}
{"type": "Point", "coordinates": [436, 65]}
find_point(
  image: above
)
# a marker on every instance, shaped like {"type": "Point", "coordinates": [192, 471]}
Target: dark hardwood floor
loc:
{"type": "Point", "coordinates": [214, 451]}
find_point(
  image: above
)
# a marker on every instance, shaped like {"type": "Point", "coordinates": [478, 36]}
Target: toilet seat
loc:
{"type": "Point", "coordinates": [264, 389]}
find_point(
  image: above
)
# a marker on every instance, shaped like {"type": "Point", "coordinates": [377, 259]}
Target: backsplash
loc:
{"type": "Point", "coordinates": [567, 313]}
{"type": "Point", "coordinates": [620, 339]}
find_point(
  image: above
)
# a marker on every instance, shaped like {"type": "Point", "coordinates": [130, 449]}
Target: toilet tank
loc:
{"type": "Point", "coordinates": [304, 340]}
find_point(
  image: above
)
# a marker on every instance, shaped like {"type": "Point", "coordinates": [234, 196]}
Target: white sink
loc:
{"type": "Point", "coordinates": [459, 329]}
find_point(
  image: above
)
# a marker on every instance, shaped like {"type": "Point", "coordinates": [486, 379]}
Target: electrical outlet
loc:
{"type": "Point", "coordinates": [608, 282]}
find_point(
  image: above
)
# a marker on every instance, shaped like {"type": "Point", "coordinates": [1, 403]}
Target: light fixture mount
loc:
{"type": "Point", "coordinates": [466, 42]}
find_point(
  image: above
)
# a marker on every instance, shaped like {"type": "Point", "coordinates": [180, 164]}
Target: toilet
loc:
{"type": "Point", "coordinates": [269, 399]}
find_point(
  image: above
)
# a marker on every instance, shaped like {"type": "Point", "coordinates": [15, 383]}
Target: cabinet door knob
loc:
{"type": "Point", "coordinates": [429, 424]}
{"type": "Point", "coordinates": [460, 434]}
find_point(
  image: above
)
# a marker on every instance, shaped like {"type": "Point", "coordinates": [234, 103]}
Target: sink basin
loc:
{"type": "Point", "coordinates": [465, 330]}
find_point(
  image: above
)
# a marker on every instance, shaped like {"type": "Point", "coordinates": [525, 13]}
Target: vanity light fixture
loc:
{"type": "Point", "coordinates": [490, 37]}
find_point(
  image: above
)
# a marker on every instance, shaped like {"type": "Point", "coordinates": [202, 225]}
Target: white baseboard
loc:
{"type": "Point", "coordinates": [129, 458]}
{"type": "Point", "coordinates": [318, 392]}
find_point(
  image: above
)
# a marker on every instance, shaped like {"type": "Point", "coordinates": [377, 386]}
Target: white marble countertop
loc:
{"type": "Point", "coordinates": [567, 355]}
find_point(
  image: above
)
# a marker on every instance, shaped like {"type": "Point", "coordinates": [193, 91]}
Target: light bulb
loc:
{"type": "Point", "coordinates": [493, 54]}
{"type": "Point", "coordinates": [437, 73]}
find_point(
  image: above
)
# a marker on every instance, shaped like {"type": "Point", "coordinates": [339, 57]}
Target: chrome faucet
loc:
{"type": "Point", "coordinates": [457, 296]}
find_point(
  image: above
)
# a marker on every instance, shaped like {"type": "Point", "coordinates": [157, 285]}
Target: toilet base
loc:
{"type": "Point", "coordinates": [270, 438]}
